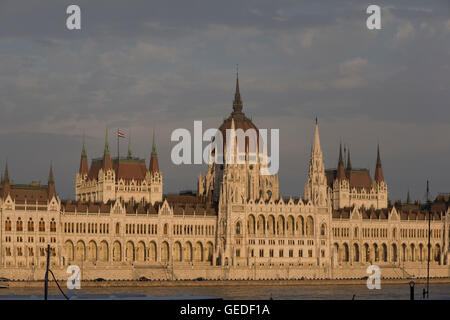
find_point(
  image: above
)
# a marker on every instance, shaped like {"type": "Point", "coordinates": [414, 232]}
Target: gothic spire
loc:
{"type": "Point", "coordinates": [316, 147]}
{"type": "Point", "coordinates": [83, 161]}
{"type": "Point", "coordinates": [154, 167]}
{"type": "Point", "coordinates": [6, 182]}
{"type": "Point", "coordinates": [408, 198]}
{"type": "Point", "coordinates": [237, 103]}
{"type": "Point", "coordinates": [153, 144]}
{"type": "Point", "coordinates": [83, 149]}
{"type": "Point", "coordinates": [51, 180]}
{"type": "Point", "coordinates": [340, 170]}
{"type": "Point", "coordinates": [130, 154]}
{"type": "Point", "coordinates": [106, 143]}
{"type": "Point", "coordinates": [51, 183]}
{"type": "Point", "coordinates": [349, 163]}
{"type": "Point", "coordinates": [378, 169]}
{"type": "Point", "coordinates": [106, 155]}
{"type": "Point", "coordinates": [6, 175]}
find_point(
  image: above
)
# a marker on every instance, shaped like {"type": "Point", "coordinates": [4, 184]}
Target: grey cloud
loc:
{"type": "Point", "coordinates": [163, 64]}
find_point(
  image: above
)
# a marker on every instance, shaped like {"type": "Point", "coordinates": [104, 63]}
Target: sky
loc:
{"type": "Point", "coordinates": [161, 65]}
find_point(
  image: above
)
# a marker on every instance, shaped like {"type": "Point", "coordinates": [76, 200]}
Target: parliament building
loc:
{"type": "Point", "coordinates": [121, 226]}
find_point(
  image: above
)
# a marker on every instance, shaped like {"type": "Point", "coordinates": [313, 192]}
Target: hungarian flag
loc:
{"type": "Point", "coordinates": [120, 134]}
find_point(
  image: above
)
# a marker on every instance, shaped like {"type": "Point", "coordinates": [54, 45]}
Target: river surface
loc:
{"type": "Point", "coordinates": [296, 292]}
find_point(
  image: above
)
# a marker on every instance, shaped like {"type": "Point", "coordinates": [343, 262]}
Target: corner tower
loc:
{"type": "Point", "coordinates": [154, 176]}
{"type": "Point", "coordinates": [316, 185]}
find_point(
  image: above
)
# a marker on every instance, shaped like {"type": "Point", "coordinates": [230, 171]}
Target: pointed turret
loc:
{"type": "Point", "coordinates": [6, 182]}
{"type": "Point", "coordinates": [340, 170]}
{"type": "Point", "coordinates": [316, 187]}
{"type": "Point", "coordinates": [237, 103]}
{"type": "Point", "coordinates": [6, 174]}
{"type": "Point", "coordinates": [153, 167]}
{"type": "Point", "coordinates": [83, 161]}
{"type": "Point", "coordinates": [378, 169]}
{"type": "Point", "coordinates": [130, 154]}
{"type": "Point", "coordinates": [51, 183]}
{"type": "Point", "coordinates": [316, 146]}
{"type": "Point", "coordinates": [106, 155]}
{"type": "Point", "coordinates": [408, 198]}
{"type": "Point", "coordinates": [349, 163]}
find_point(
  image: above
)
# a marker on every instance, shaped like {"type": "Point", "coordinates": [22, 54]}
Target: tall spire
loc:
{"type": "Point", "coordinates": [83, 161]}
{"type": "Point", "coordinates": [106, 155]}
{"type": "Point", "coordinates": [6, 182]}
{"type": "Point", "coordinates": [130, 154]}
{"type": "Point", "coordinates": [378, 169]}
{"type": "Point", "coordinates": [106, 142]}
{"type": "Point", "coordinates": [316, 147]}
{"type": "Point", "coordinates": [408, 198]}
{"type": "Point", "coordinates": [154, 167]}
{"type": "Point", "coordinates": [237, 103]}
{"type": "Point", "coordinates": [51, 183]}
{"type": "Point", "coordinates": [316, 185]}
{"type": "Point", "coordinates": [349, 163]}
{"type": "Point", "coordinates": [154, 144]}
{"type": "Point", "coordinates": [6, 175]}
{"type": "Point", "coordinates": [51, 180]}
{"type": "Point", "coordinates": [83, 149]}
{"type": "Point", "coordinates": [340, 170]}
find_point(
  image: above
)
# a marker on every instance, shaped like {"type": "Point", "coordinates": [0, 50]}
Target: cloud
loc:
{"type": "Point", "coordinates": [350, 82]}
{"type": "Point", "coordinates": [352, 66]}
{"type": "Point", "coordinates": [404, 32]}
{"type": "Point", "coordinates": [164, 64]}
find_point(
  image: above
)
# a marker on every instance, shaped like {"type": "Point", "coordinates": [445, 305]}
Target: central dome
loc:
{"type": "Point", "coordinates": [240, 122]}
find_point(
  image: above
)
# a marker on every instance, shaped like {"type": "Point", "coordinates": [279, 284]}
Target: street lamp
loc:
{"type": "Point", "coordinates": [411, 290]}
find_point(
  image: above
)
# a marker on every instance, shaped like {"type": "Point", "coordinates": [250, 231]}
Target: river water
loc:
{"type": "Point", "coordinates": [297, 292]}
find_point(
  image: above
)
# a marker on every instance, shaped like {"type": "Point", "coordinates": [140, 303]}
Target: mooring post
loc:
{"type": "Point", "coordinates": [46, 273]}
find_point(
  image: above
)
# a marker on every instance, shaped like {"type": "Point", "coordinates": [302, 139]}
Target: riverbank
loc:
{"type": "Point", "coordinates": [222, 283]}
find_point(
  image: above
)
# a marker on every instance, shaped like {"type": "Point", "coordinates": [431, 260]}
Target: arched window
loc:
{"type": "Point", "coordinates": [309, 226]}
{"type": "Point", "coordinates": [437, 253]}
{"type": "Point", "coordinates": [8, 224]}
{"type": "Point", "coordinates": [323, 229]}
{"type": "Point", "coordinates": [166, 229]}
{"type": "Point", "coordinates": [30, 225]}
{"type": "Point", "coordinates": [53, 225]}
{"type": "Point", "coordinates": [251, 224]}
{"type": "Point", "coordinates": [19, 225]}
{"type": "Point", "coordinates": [117, 228]}
{"type": "Point", "coordinates": [394, 252]}
{"type": "Point", "coordinates": [280, 225]}
{"type": "Point", "coordinates": [238, 228]}
{"type": "Point", "coordinates": [356, 252]}
{"type": "Point", "coordinates": [261, 225]}
{"type": "Point", "coordinates": [41, 225]}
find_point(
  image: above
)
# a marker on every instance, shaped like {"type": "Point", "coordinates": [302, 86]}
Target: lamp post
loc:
{"type": "Point", "coordinates": [46, 273]}
{"type": "Point", "coordinates": [411, 290]}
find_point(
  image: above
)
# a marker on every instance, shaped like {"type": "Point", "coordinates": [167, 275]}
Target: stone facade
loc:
{"type": "Point", "coordinates": [236, 226]}
{"type": "Point", "coordinates": [126, 179]}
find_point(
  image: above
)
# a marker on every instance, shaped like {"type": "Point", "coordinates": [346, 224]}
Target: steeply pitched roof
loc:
{"type": "Point", "coordinates": [28, 192]}
{"type": "Point", "coordinates": [126, 169]}
{"type": "Point", "coordinates": [358, 178]}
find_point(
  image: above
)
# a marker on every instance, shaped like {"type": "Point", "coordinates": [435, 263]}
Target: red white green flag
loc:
{"type": "Point", "coordinates": [120, 133]}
